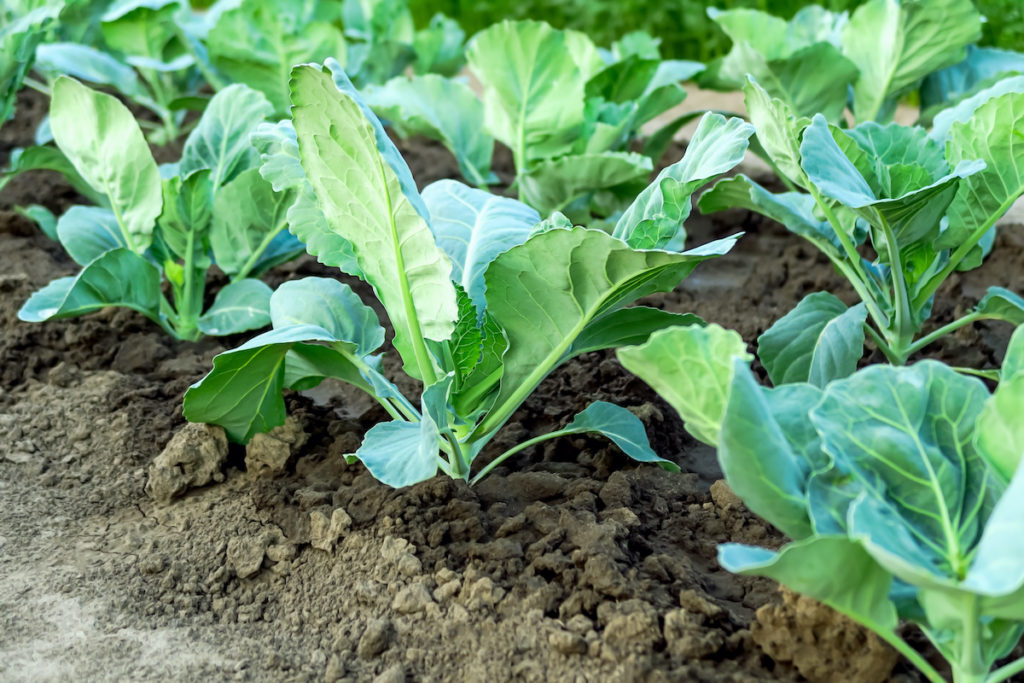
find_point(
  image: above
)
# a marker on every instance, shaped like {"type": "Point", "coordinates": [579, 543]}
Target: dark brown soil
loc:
{"type": "Point", "coordinates": [569, 563]}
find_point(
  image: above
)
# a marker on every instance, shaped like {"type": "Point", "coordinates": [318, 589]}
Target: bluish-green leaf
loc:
{"type": "Point", "coordinates": [86, 232]}
{"type": "Point", "coordinates": [238, 307]}
{"type": "Point", "coordinates": [220, 141]}
{"type": "Point", "coordinates": [247, 215]}
{"type": "Point", "coordinates": [768, 449]}
{"type": "Point", "coordinates": [627, 327]}
{"type": "Point", "coordinates": [820, 340]}
{"type": "Point", "coordinates": [473, 227]}
{"type": "Point", "coordinates": [1002, 304]}
{"type": "Point", "coordinates": [117, 278]}
{"type": "Point", "coordinates": [441, 109]}
{"type": "Point", "coordinates": [999, 436]}
{"type": "Point", "coordinates": [552, 184]}
{"type": "Point", "coordinates": [400, 453]}
{"type": "Point", "coordinates": [831, 569]}
{"type": "Point", "coordinates": [905, 434]}
{"type": "Point", "coordinates": [621, 426]}
{"type": "Point", "coordinates": [330, 305]}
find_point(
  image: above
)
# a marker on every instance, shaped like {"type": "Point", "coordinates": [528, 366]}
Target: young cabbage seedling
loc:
{"type": "Point", "coordinates": [567, 110]}
{"type": "Point", "coordinates": [925, 202]}
{"type": "Point", "coordinates": [165, 223]}
{"type": "Point", "coordinates": [485, 298]}
{"type": "Point", "coordinates": [901, 488]}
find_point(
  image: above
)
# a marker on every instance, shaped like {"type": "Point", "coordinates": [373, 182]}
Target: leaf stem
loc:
{"type": "Point", "coordinates": [941, 332]}
{"type": "Point", "coordinates": [254, 257]}
{"type": "Point", "coordinates": [1004, 672]}
{"type": "Point", "coordinates": [961, 253]}
{"type": "Point", "coordinates": [901, 295]}
{"type": "Point", "coordinates": [516, 449]}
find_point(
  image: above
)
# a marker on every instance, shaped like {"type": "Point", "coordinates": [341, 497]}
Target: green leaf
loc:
{"type": "Point", "coordinates": [1001, 304]}
{"type": "Point", "coordinates": [920, 36]}
{"type": "Point", "coordinates": [1013, 363]}
{"type": "Point", "coordinates": [240, 306]}
{"type": "Point", "coordinates": [42, 217]}
{"type": "Point", "coordinates": [954, 83]}
{"type": "Point", "coordinates": [441, 109]}
{"type": "Point", "coordinates": [19, 40]}
{"type": "Point", "coordinates": [473, 227]}
{"type": "Point", "coordinates": [621, 426]}
{"type": "Point", "coordinates": [243, 391]}
{"type": "Point", "coordinates": [101, 138]}
{"type": "Point", "coordinates": [796, 62]}
{"type": "Point", "coordinates": [995, 134]}
{"type": "Point", "coordinates": [86, 232]}
{"type": "Point", "coordinates": [999, 436]}
{"type": "Point", "coordinates": [905, 435]}
{"type": "Point", "coordinates": [911, 206]}
{"type": "Point", "coordinates": [141, 28]}
{"type": "Point", "coordinates": [50, 159]}
{"type": "Point", "coordinates": [279, 153]}
{"type": "Point", "coordinates": [89, 64]}
{"type": "Point", "coordinates": [533, 88]}
{"type": "Point", "coordinates": [622, 81]}
{"type": "Point", "coordinates": [116, 278]}
{"type": "Point", "coordinates": [963, 111]}
{"type": "Point", "coordinates": [627, 327]}
{"type": "Point", "coordinates": [366, 204]}
{"type": "Point", "coordinates": [691, 368]}
{"type": "Point", "coordinates": [820, 340]}
{"type": "Point", "coordinates": [187, 212]}
{"type": "Point", "coordinates": [655, 218]}
{"type": "Point", "coordinates": [795, 210]}
{"type": "Point", "coordinates": [831, 569]}
{"type": "Point", "coordinates": [257, 43]}
{"type": "Point", "coordinates": [998, 565]}
{"type": "Point", "coordinates": [550, 185]}
{"type": "Point", "coordinates": [247, 215]}
{"type": "Point", "coordinates": [440, 47]}
{"type": "Point", "coordinates": [331, 306]}
{"type": "Point", "coordinates": [778, 130]}
{"type": "Point", "coordinates": [545, 293]}
{"type": "Point", "coordinates": [220, 141]}
{"type": "Point", "coordinates": [401, 453]}
{"type": "Point", "coordinates": [768, 449]}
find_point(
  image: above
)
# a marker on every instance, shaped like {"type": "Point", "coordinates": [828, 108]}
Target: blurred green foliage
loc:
{"type": "Point", "coordinates": [683, 25]}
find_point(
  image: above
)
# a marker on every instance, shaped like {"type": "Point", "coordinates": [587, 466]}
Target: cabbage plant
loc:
{"type": "Point", "coordinates": [900, 487]}
{"type": "Point", "coordinates": [568, 111]}
{"type": "Point", "coordinates": [820, 61]}
{"type": "Point", "coordinates": [897, 210]}
{"type": "Point", "coordinates": [171, 223]}
{"type": "Point", "coordinates": [485, 297]}
{"type": "Point", "coordinates": [22, 28]}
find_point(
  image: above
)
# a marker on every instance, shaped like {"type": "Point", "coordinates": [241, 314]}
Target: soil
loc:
{"type": "Point", "coordinates": [568, 563]}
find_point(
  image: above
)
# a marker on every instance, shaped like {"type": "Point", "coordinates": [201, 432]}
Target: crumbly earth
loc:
{"type": "Point", "coordinates": [567, 564]}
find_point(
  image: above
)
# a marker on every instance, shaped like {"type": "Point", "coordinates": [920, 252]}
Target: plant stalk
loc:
{"type": "Point", "coordinates": [516, 449]}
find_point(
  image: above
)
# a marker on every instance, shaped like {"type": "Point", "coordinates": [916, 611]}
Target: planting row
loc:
{"type": "Point", "coordinates": [900, 486]}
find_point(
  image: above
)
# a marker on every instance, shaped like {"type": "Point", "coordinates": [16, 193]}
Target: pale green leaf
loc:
{"type": "Point", "coordinates": [365, 203]}
{"type": "Point", "coordinates": [104, 143]}
{"type": "Point", "coordinates": [691, 368]}
{"type": "Point", "coordinates": [240, 306]}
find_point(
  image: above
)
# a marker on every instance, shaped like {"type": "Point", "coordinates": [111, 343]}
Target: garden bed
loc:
{"type": "Point", "coordinates": [568, 563]}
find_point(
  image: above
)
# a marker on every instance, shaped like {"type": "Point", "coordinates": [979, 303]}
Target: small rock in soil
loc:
{"type": "Point", "coordinates": [375, 639]}
{"type": "Point", "coordinates": [268, 455]}
{"type": "Point", "coordinates": [567, 643]}
{"type": "Point", "coordinates": [393, 674]}
{"type": "Point", "coordinates": [413, 598]}
{"type": "Point", "coordinates": [323, 532]}
{"type": "Point", "coordinates": [724, 496]}
{"type": "Point", "coordinates": [193, 457]}
{"type": "Point", "coordinates": [821, 643]}
{"type": "Point", "coordinates": [245, 555]}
